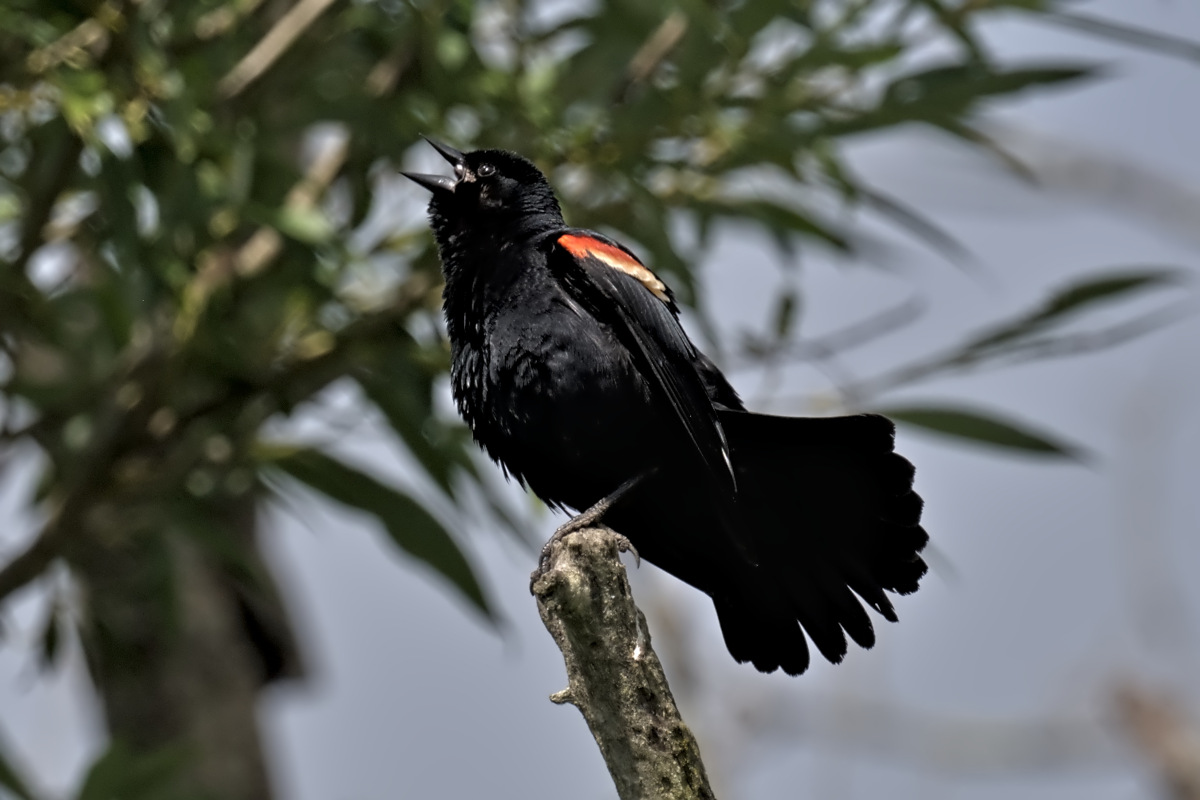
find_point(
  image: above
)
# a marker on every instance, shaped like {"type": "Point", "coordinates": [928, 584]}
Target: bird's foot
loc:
{"type": "Point", "coordinates": [588, 519]}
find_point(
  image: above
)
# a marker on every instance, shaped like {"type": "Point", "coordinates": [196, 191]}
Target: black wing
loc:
{"type": "Point", "coordinates": [619, 289]}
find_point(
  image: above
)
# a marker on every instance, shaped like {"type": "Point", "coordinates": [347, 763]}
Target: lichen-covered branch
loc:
{"type": "Point", "coordinates": [615, 679]}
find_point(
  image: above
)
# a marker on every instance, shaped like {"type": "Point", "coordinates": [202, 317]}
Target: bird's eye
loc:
{"type": "Point", "coordinates": [485, 171]}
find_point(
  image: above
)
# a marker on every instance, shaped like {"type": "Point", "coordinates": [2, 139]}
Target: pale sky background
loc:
{"type": "Point", "coordinates": [1053, 581]}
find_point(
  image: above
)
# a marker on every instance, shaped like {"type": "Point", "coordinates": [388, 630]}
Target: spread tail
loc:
{"type": "Point", "coordinates": [831, 514]}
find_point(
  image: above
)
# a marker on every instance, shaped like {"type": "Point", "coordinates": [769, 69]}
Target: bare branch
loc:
{"type": "Point", "coordinates": [1165, 737]}
{"type": "Point", "coordinates": [384, 76]}
{"type": "Point", "coordinates": [261, 248]}
{"type": "Point", "coordinates": [615, 679]}
{"type": "Point", "coordinates": [221, 20]}
{"type": "Point", "coordinates": [264, 54]}
{"type": "Point", "coordinates": [90, 36]}
{"type": "Point", "coordinates": [653, 52]}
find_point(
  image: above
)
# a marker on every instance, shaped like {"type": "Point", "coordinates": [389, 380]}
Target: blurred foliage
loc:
{"type": "Point", "coordinates": [199, 229]}
{"type": "Point", "coordinates": [119, 772]}
{"type": "Point", "coordinates": [11, 782]}
{"type": "Point", "coordinates": [984, 428]}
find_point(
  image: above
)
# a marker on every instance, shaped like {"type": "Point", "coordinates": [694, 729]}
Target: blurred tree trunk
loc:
{"type": "Point", "coordinates": [179, 648]}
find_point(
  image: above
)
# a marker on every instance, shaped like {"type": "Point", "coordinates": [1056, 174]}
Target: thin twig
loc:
{"type": "Point", "coordinates": [665, 38]}
{"type": "Point", "coordinates": [854, 335]}
{"type": "Point", "coordinates": [261, 248]}
{"type": "Point", "coordinates": [1091, 341]}
{"type": "Point", "coordinates": [384, 76]}
{"type": "Point", "coordinates": [1145, 38]}
{"type": "Point", "coordinates": [1165, 736]}
{"type": "Point", "coordinates": [221, 20]}
{"type": "Point", "coordinates": [91, 34]}
{"type": "Point", "coordinates": [1014, 352]}
{"type": "Point", "coordinates": [268, 50]}
{"type": "Point", "coordinates": [919, 225]}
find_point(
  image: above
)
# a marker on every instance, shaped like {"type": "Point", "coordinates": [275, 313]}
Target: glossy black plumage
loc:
{"type": "Point", "coordinates": [572, 371]}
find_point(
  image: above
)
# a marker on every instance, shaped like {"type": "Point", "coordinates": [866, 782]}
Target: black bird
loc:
{"type": "Point", "coordinates": [571, 368]}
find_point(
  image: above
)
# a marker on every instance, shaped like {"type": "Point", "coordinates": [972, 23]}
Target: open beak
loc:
{"type": "Point", "coordinates": [440, 183]}
{"type": "Point", "coordinates": [447, 152]}
{"type": "Point", "coordinates": [434, 183]}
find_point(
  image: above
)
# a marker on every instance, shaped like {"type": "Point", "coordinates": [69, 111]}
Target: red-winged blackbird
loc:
{"type": "Point", "coordinates": [571, 369]}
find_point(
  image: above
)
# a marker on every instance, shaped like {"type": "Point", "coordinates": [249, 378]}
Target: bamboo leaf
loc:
{"type": "Point", "coordinates": [957, 86]}
{"type": "Point", "coordinates": [984, 427]}
{"type": "Point", "coordinates": [51, 639]}
{"type": "Point", "coordinates": [11, 782]}
{"type": "Point", "coordinates": [401, 387]}
{"type": "Point", "coordinates": [308, 225]}
{"type": "Point", "coordinates": [784, 224]}
{"type": "Point", "coordinates": [785, 314]}
{"type": "Point", "coordinates": [411, 528]}
{"type": "Point", "coordinates": [1071, 301]}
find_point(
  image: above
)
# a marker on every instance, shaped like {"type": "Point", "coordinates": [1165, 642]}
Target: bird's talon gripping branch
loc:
{"type": "Point", "coordinates": [626, 546]}
{"type": "Point", "coordinates": [588, 519]}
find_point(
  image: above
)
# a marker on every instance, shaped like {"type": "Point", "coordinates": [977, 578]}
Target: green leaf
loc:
{"type": "Point", "coordinates": [1105, 288]}
{"type": "Point", "coordinates": [1069, 302]}
{"type": "Point", "coordinates": [412, 528]}
{"type": "Point", "coordinates": [983, 427]}
{"type": "Point", "coordinates": [785, 314]}
{"type": "Point", "coordinates": [944, 95]}
{"type": "Point", "coordinates": [124, 774]}
{"type": "Point", "coordinates": [401, 387]}
{"type": "Point", "coordinates": [916, 223]}
{"type": "Point", "coordinates": [11, 782]}
{"type": "Point", "coordinates": [307, 225]}
{"type": "Point", "coordinates": [781, 222]}
{"type": "Point", "coordinates": [51, 638]}
{"type": "Point", "coordinates": [958, 85]}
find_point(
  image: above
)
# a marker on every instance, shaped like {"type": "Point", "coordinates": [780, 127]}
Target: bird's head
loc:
{"type": "Point", "coordinates": [491, 191]}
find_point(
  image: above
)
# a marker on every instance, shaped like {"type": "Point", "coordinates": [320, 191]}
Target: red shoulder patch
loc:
{"type": "Point", "coordinates": [615, 257]}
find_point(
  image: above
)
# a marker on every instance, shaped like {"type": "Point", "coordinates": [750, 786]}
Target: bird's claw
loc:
{"type": "Point", "coordinates": [589, 518]}
{"type": "Point", "coordinates": [626, 546]}
{"type": "Point", "coordinates": [575, 525]}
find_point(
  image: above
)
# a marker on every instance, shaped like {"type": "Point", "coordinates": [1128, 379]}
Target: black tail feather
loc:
{"type": "Point", "coordinates": [859, 579]}
{"type": "Point", "coordinates": [833, 515]}
{"type": "Point", "coordinates": [764, 636]}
